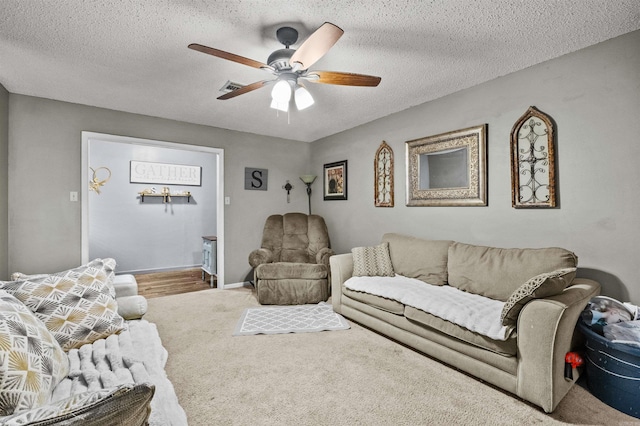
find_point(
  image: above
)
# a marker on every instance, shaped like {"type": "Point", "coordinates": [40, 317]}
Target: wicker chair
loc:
{"type": "Point", "coordinates": [292, 266]}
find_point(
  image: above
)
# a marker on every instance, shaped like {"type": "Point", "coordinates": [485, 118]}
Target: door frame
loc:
{"type": "Point", "coordinates": [84, 185]}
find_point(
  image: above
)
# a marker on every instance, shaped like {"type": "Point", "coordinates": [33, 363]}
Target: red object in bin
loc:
{"type": "Point", "coordinates": [572, 360]}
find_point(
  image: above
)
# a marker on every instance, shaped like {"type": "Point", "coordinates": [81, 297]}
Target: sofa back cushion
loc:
{"type": "Point", "coordinates": [498, 272]}
{"type": "Point", "coordinates": [425, 260]}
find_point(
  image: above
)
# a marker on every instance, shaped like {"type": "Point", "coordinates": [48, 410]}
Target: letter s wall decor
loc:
{"type": "Point", "coordinates": [255, 179]}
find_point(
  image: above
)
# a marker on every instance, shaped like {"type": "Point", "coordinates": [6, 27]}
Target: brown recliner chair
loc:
{"type": "Point", "coordinates": [292, 267]}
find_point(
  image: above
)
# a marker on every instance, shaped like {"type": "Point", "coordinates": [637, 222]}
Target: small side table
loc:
{"type": "Point", "coordinates": [209, 257]}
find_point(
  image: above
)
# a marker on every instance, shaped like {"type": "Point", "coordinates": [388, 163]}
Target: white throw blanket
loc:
{"type": "Point", "coordinates": [474, 312]}
{"type": "Point", "coordinates": [136, 355]}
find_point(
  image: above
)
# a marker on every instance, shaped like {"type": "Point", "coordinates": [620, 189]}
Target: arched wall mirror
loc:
{"type": "Point", "coordinates": [533, 182]}
{"type": "Point", "coordinates": [448, 169]}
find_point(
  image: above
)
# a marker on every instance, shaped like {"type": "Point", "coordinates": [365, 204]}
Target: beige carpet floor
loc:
{"type": "Point", "coordinates": [347, 377]}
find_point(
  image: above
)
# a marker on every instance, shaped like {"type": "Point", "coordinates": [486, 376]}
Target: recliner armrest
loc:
{"type": "Point", "coordinates": [322, 257]}
{"type": "Point", "coordinates": [260, 256]}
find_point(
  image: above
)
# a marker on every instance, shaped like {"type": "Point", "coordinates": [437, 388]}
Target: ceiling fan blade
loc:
{"type": "Point", "coordinates": [316, 45]}
{"type": "Point", "coordinates": [228, 56]}
{"type": "Point", "coordinates": [342, 78]}
{"type": "Point", "coordinates": [241, 91]}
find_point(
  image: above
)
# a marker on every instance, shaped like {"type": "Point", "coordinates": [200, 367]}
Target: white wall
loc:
{"type": "Point", "coordinates": [149, 235]}
{"type": "Point", "coordinates": [594, 97]}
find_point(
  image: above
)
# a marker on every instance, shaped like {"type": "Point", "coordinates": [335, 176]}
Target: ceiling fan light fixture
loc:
{"type": "Point", "coordinates": [281, 92]}
{"type": "Point", "coordinates": [303, 98]}
{"type": "Point", "coordinates": [280, 106]}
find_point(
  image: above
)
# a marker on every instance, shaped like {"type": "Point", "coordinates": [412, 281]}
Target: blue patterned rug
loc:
{"type": "Point", "coordinates": [289, 319]}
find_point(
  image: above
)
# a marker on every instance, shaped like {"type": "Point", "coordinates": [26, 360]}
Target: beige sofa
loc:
{"type": "Point", "coordinates": [526, 360]}
{"type": "Point", "coordinates": [103, 367]}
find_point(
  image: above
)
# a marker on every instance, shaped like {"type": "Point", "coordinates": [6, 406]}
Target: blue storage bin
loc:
{"type": "Point", "coordinates": [613, 372]}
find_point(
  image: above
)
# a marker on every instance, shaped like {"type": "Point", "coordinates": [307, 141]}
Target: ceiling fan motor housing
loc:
{"type": "Point", "coordinates": [280, 59]}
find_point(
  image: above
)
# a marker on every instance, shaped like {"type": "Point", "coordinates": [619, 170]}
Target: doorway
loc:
{"type": "Point", "coordinates": [151, 233]}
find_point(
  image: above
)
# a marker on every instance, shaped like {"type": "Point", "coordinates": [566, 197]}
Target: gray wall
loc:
{"type": "Point", "coordinates": [4, 179]}
{"type": "Point", "coordinates": [44, 166]}
{"type": "Point", "coordinates": [150, 235]}
{"type": "Point", "coordinates": [594, 97]}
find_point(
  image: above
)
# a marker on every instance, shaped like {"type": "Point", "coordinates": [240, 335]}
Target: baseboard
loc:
{"type": "Point", "coordinates": [238, 285]}
{"type": "Point", "coordinates": [168, 269]}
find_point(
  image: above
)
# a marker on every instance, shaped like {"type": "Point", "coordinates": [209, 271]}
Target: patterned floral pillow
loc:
{"type": "Point", "coordinates": [540, 286]}
{"type": "Point", "coordinates": [31, 360]}
{"type": "Point", "coordinates": [75, 305]}
{"type": "Point", "coordinates": [372, 261]}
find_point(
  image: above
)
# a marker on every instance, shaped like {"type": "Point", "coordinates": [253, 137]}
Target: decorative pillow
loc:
{"type": "Point", "coordinates": [75, 305]}
{"type": "Point", "coordinates": [123, 405]}
{"type": "Point", "coordinates": [31, 360]}
{"type": "Point", "coordinates": [543, 285]}
{"type": "Point", "coordinates": [109, 264]}
{"type": "Point", "coordinates": [372, 261]}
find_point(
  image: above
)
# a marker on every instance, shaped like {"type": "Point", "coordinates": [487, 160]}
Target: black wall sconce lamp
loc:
{"type": "Point", "coordinates": [308, 180]}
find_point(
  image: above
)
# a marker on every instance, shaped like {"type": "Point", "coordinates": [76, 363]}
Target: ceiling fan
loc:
{"type": "Point", "coordinates": [291, 67]}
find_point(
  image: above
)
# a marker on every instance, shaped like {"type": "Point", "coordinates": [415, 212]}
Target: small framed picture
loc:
{"type": "Point", "coordinates": [335, 181]}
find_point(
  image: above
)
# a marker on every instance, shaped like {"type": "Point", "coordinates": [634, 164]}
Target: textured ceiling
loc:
{"type": "Point", "coordinates": [131, 55]}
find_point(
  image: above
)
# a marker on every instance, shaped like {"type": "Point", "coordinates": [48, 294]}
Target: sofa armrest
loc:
{"type": "Point", "coordinates": [132, 307]}
{"type": "Point", "coordinates": [125, 285]}
{"type": "Point", "coordinates": [341, 270]}
{"type": "Point", "coordinates": [546, 329]}
{"type": "Point", "coordinates": [260, 256]}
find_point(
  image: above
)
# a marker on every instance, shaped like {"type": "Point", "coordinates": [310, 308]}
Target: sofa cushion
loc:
{"type": "Point", "coordinates": [477, 313]}
{"type": "Point", "coordinates": [286, 270]}
{"type": "Point", "coordinates": [507, 347]}
{"type": "Point", "coordinates": [425, 260]}
{"type": "Point", "coordinates": [127, 404]}
{"type": "Point", "coordinates": [75, 305]}
{"type": "Point", "coordinates": [32, 362]}
{"type": "Point", "coordinates": [498, 272]}
{"type": "Point", "coordinates": [379, 302]}
{"type": "Point", "coordinates": [372, 261]}
{"type": "Point", "coordinates": [543, 285]}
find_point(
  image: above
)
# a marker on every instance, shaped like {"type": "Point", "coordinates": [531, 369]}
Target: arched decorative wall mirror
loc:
{"type": "Point", "coordinates": [448, 169]}
{"type": "Point", "coordinates": [533, 182]}
{"type": "Point", "coordinates": [383, 169]}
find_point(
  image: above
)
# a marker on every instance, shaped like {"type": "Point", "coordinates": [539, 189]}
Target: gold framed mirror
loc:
{"type": "Point", "coordinates": [533, 181]}
{"type": "Point", "coordinates": [449, 169]}
{"type": "Point", "coordinates": [383, 180]}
